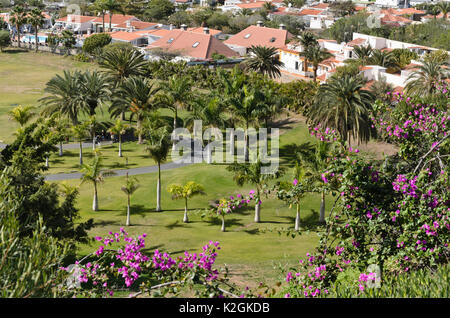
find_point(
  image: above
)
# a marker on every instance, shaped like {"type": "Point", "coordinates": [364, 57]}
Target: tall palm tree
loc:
{"type": "Point", "coordinates": [444, 6]}
{"type": "Point", "coordinates": [139, 95]}
{"type": "Point", "coordinates": [95, 90]}
{"type": "Point", "coordinates": [99, 8]}
{"type": "Point", "coordinates": [64, 96]}
{"type": "Point", "coordinates": [176, 95]}
{"type": "Point", "coordinates": [158, 149]}
{"type": "Point", "coordinates": [307, 39]}
{"type": "Point", "coordinates": [93, 123]}
{"type": "Point", "coordinates": [251, 173]}
{"type": "Point", "coordinates": [422, 81]}
{"type": "Point", "coordinates": [18, 17]}
{"type": "Point", "coordinates": [113, 6]}
{"type": "Point", "coordinates": [316, 55]}
{"type": "Point", "coordinates": [129, 188]}
{"type": "Point", "coordinates": [343, 105]}
{"type": "Point", "coordinates": [119, 128]}
{"type": "Point", "coordinates": [186, 191]}
{"type": "Point", "coordinates": [59, 126]}
{"type": "Point", "coordinates": [92, 173]}
{"type": "Point", "coordinates": [265, 60]}
{"type": "Point", "coordinates": [22, 114]}
{"type": "Point", "coordinates": [36, 19]}
{"type": "Point", "coordinates": [79, 132]}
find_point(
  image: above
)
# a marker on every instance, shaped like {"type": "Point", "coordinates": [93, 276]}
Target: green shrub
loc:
{"type": "Point", "coordinates": [5, 40]}
{"type": "Point", "coordinates": [96, 41]}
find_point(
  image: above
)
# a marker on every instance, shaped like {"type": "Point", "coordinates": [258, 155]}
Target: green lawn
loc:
{"type": "Point", "coordinates": [23, 76]}
{"type": "Point", "coordinates": [131, 151]}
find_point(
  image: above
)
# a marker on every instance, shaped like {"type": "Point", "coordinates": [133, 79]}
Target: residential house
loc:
{"type": "Point", "coordinates": [117, 20]}
{"type": "Point", "coordinates": [76, 23]}
{"type": "Point", "coordinates": [191, 45]}
{"type": "Point", "coordinates": [258, 35]}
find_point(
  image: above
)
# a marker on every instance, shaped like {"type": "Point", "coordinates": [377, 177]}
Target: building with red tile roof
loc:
{"type": "Point", "coordinates": [116, 19]}
{"type": "Point", "coordinates": [257, 36]}
{"type": "Point", "coordinates": [135, 26]}
{"type": "Point", "coordinates": [191, 44]}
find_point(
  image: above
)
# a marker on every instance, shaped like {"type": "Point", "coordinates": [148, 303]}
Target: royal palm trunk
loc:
{"type": "Point", "coordinates": [158, 190]}
{"type": "Point", "coordinates": [81, 153]}
{"type": "Point", "coordinates": [223, 224]}
{"type": "Point", "coordinates": [322, 208]}
{"type": "Point", "coordinates": [297, 218]}
{"type": "Point", "coordinates": [120, 145]}
{"type": "Point", "coordinates": [185, 218]}
{"type": "Point", "coordinates": [95, 201]}
{"type": "Point", "coordinates": [60, 148]}
{"type": "Point", "coordinates": [128, 212]}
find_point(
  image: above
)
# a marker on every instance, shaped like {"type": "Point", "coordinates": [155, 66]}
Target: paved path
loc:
{"type": "Point", "coordinates": [119, 172]}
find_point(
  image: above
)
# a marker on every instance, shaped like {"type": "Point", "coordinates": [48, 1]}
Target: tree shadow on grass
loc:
{"type": "Point", "coordinates": [14, 51]}
{"type": "Point", "coordinates": [174, 225]}
{"type": "Point", "coordinates": [218, 222]}
{"type": "Point", "coordinates": [252, 231]}
{"type": "Point", "coordinates": [105, 223]}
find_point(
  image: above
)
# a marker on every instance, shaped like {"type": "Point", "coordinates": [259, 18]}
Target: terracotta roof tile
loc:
{"type": "Point", "coordinates": [254, 35]}
{"type": "Point", "coordinates": [126, 36]}
{"type": "Point", "coordinates": [137, 25]}
{"type": "Point", "coordinates": [77, 18]}
{"type": "Point", "coordinates": [116, 19]}
{"type": "Point", "coordinates": [196, 45]}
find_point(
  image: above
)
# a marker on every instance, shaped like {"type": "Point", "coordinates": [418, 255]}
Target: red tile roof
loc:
{"type": "Point", "coordinates": [137, 25]}
{"type": "Point", "coordinates": [251, 5]}
{"type": "Point", "coordinates": [200, 30]}
{"type": "Point", "coordinates": [77, 18]}
{"type": "Point", "coordinates": [116, 19]}
{"type": "Point", "coordinates": [196, 45]}
{"type": "Point", "coordinates": [310, 12]}
{"type": "Point", "coordinates": [254, 35]}
{"type": "Point", "coordinates": [321, 6]}
{"type": "Point", "coordinates": [388, 18]}
{"type": "Point", "coordinates": [126, 36]}
{"type": "Point", "coordinates": [356, 42]}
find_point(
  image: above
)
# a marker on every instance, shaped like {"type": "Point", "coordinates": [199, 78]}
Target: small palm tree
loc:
{"type": "Point", "coordinates": [265, 61]}
{"type": "Point", "coordinates": [187, 191]}
{"type": "Point", "coordinates": [253, 174]}
{"type": "Point", "coordinates": [95, 91]}
{"type": "Point", "coordinates": [119, 129]}
{"type": "Point", "coordinates": [384, 59]}
{"type": "Point", "coordinates": [422, 81]}
{"type": "Point", "coordinates": [307, 39]}
{"type": "Point", "coordinates": [158, 149]}
{"type": "Point", "coordinates": [316, 55]}
{"type": "Point", "coordinates": [129, 188]}
{"type": "Point", "coordinates": [80, 132]}
{"type": "Point", "coordinates": [92, 173]}
{"type": "Point", "coordinates": [363, 53]}
{"type": "Point", "coordinates": [22, 114]}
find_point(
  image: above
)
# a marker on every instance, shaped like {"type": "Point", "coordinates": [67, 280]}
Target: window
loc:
{"type": "Point", "coordinates": [272, 40]}
{"type": "Point", "coordinates": [170, 40]}
{"type": "Point", "coordinates": [296, 66]}
{"type": "Point", "coordinates": [195, 44]}
{"type": "Point", "coordinates": [247, 35]}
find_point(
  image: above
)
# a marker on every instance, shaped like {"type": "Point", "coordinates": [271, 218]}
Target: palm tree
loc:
{"type": "Point", "coordinates": [384, 59]}
{"type": "Point", "coordinates": [422, 81]}
{"type": "Point", "coordinates": [119, 129]}
{"type": "Point", "coordinates": [18, 17]}
{"type": "Point", "coordinates": [176, 95]}
{"type": "Point", "coordinates": [343, 105]}
{"type": "Point", "coordinates": [185, 192]}
{"type": "Point", "coordinates": [269, 7]}
{"type": "Point", "coordinates": [60, 128]}
{"type": "Point", "coordinates": [113, 6]}
{"type": "Point", "coordinates": [245, 107]}
{"type": "Point", "coordinates": [265, 60]}
{"type": "Point", "coordinates": [21, 114]}
{"type": "Point", "coordinates": [36, 19]}
{"type": "Point", "coordinates": [129, 188]}
{"type": "Point", "coordinates": [139, 95]}
{"type": "Point", "coordinates": [93, 124]}
{"type": "Point", "coordinates": [99, 8]}
{"type": "Point", "coordinates": [316, 55]}
{"type": "Point", "coordinates": [307, 39]}
{"type": "Point", "coordinates": [95, 90]}
{"type": "Point", "coordinates": [158, 149]}
{"type": "Point", "coordinates": [123, 63]}
{"type": "Point", "coordinates": [316, 160]}
{"type": "Point", "coordinates": [363, 54]}
{"type": "Point", "coordinates": [252, 174]}
{"type": "Point", "coordinates": [79, 132]}
{"type": "Point", "coordinates": [444, 6]}
{"type": "Point", "coordinates": [93, 173]}
{"type": "Point", "coordinates": [64, 96]}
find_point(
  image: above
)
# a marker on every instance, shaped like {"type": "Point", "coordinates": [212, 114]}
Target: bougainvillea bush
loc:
{"type": "Point", "coordinates": [391, 216]}
{"type": "Point", "coordinates": [120, 263]}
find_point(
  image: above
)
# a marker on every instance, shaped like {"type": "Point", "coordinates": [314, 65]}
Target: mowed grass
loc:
{"type": "Point", "coordinates": [250, 249]}
{"type": "Point", "coordinates": [23, 76]}
{"type": "Point", "coordinates": [133, 155]}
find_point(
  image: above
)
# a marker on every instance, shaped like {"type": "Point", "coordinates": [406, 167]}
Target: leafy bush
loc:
{"type": "Point", "coordinates": [5, 39]}
{"type": "Point", "coordinates": [96, 41]}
